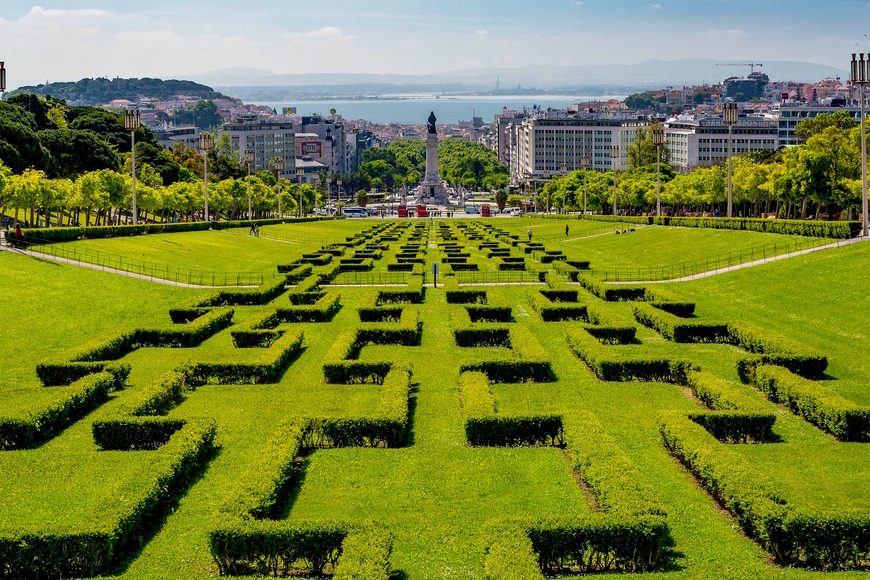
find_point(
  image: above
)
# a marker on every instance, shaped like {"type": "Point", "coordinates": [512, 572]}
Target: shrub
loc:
{"type": "Point", "coordinates": [365, 555]}
{"type": "Point", "coordinates": [27, 428]}
{"type": "Point", "coordinates": [90, 553]}
{"type": "Point", "coordinates": [610, 366]}
{"type": "Point", "coordinates": [558, 311]}
{"type": "Point", "coordinates": [815, 402]}
{"type": "Point", "coordinates": [266, 369]}
{"type": "Point", "coordinates": [679, 329]}
{"type": "Point", "coordinates": [774, 349]}
{"type": "Point", "coordinates": [532, 362]}
{"type": "Point", "coordinates": [609, 292]}
{"type": "Point", "coordinates": [263, 294]}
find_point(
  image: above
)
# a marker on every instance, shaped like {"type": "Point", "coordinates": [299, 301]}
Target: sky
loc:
{"type": "Point", "coordinates": [60, 41]}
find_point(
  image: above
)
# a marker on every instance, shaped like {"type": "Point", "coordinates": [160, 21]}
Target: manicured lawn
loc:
{"type": "Point", "coordinates": [435, 494]}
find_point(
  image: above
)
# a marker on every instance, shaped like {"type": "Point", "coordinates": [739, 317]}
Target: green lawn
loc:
{"type": "Point", "coordinates": [435, 493]}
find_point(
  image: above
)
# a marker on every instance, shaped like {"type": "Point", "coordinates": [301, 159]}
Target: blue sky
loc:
{"type": "Point", "coordinates": [71, 40]}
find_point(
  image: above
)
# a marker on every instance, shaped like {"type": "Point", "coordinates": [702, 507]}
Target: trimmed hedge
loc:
{"type": "Point", "coordinates": [266, 369]}
{"type": "Point", "coordinates": [772, 348]}
{"type": "Point", "coordinates": [484, 428]}
{"type": "Point", "coordinates": [263, 294]}
{"type": "Point", "coordinates": [467, 334]}
{"type": "Point", "coordinates": [26, 428]}
{"type": "Point", "coordinates": [531, 362]}
{"type": "Point", "coordinates": [608, 365]}
{"type": "Point", "coordinates": [90, 357]}
{"type": "Point", "coordinates": [815, 402]}
{"type": "Point", "coordinates": [340, 368]}
{"type": "Point", "coordinates": [809, 228]}
{"type": "Point", "coordinates": [609, 292]}
{"type": "Point", "coordinates": [307, 285]}
{"type": "Point", "coordinates": [744, 492]}
{"type": "Point", "coordinates": [411, 294]}
{"type": "Point", "coordinates": [57, 553]}
{"type": "Point", "coordinates": [555, 311]}
{"type": "Point", "coordinates": [679, 329]}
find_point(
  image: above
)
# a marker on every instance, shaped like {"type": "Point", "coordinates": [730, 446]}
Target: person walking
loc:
{"type": "Point", "coordinates": [566, 230]}
{"type": "Point", "coordinates": [530, 235]}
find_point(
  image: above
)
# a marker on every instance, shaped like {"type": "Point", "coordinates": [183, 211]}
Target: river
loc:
{"type": "Point", "coordinates": [415, 108]}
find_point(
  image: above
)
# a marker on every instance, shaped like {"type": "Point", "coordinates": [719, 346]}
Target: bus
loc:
{"type": "Point", "coordinates": [421, 210]}
{"type": "Point", "coordinates": [484, 210]}
{"type": "Point", "coordinates": [354, 212]}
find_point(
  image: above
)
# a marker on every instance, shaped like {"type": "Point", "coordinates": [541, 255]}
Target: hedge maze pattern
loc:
{"type": "Point", "coordinates": [628, 528]}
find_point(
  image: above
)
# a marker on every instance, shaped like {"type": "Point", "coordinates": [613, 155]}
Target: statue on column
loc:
{"type": "Point", "coordinates": [430, 125]}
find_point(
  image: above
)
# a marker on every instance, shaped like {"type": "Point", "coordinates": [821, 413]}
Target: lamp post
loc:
{"type": "Point", "coordinates": [131, 123]}
{"type": "Point", "coordinates": [277, 166]}
{"type": "Point", "coordinates": [547, 177]}
{"type": "Point", "coordinates": [2, 76]}
{"type": "Point", "coordinates": [658, 139]}
{"type": "Point", "coordinates": [205, 143]}
{"type": "Point", "coordinates": [584, 162]}
{"type": "Point", "coordinates": [614, 157]}
{"type": "Point", "coordinates": [338, 183]}
{"type": "Point", "coordinates": [860, 78]}
{"type": "Point", "coordinates": [248, 160]}
{"type": "Point", "coordinates": [729, 117]}
{"type": "Point", "coordinates": [564, 184]}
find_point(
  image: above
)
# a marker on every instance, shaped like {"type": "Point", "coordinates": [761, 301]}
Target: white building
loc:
{"type": "Point", "coordinates": [543, 147]}
{"type": "Point", "coordinates": [703, 141]}
{"type": "Point", "coordinates": [169, 136]}
{"type": "Point", "coordinates": [267, 138]}
{"type": "Point", "coordinates": [792, 114]}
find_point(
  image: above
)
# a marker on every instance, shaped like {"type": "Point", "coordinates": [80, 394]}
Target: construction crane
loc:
{"type": "Point", "coordinates": [751, 65]}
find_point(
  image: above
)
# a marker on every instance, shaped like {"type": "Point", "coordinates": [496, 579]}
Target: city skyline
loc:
{"type": "Point", "coordinates": [66, 41]}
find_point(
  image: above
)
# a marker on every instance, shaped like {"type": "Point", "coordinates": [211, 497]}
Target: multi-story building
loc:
{"type": "Point", "coordinates": [169, 136]}
{"type": "Point", "coordinates": [336, 154]}
{"type": "Point", "coordinates": [267, 138]}
{"type": "Point", "coordinates": [694, 141]}
{"type": "Point", "coordinates": [791, 114]}
{"type": "Point", "coordinates": [541, 147]}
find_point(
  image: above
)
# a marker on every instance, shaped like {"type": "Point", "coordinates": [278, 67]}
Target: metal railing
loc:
{"type": "Point", "coordinates": [151, 270]}
{"type": "Point", "coordinates": [707, 264]}
{"type": "Point", "coordinates": [371, 278]}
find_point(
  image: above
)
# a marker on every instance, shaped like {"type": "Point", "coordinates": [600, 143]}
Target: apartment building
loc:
{"type": "Point", "coordinates": [541, 147]}
{"type": "Point", "coordinates": [695, 141]}
{"type": "Point", "coordinates": [267, 138]}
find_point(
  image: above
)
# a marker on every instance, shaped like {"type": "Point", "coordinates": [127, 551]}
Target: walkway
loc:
{"type": "Point", "coordinates": [41, 256]}
{"type": "Point", "coordinates": [726, 269]}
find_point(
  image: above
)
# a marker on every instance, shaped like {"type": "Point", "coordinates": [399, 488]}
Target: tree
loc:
{"type": "Point", "coordinates": [73, 152]}
{"type": "Point", "coordinates": [501, 198]}
{"type": "Point", "coordinates": [204, 114]}
{"type": "Point", "coordinates": [362, 198]}
{"type": "Point", "coordinates": [817, 125]}
{"type": "Point", "coordinates": [641, 101]}
{"type": "Point", "coordinates": [642, 152]}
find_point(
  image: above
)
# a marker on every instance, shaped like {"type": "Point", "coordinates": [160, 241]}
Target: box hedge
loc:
{"type": "Point", "coordinates": [267, 368]}
{"type": "Point", "coordinates": [28, 427]}
{"type": "Point", "coordinates": [816, 402]}
{"type": "Point", "coordinates": [680, 329]}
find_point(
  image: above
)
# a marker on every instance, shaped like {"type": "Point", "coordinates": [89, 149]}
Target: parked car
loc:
{"type": "Point", "coordinates": [516, 212]}
{"type": "Point", "coordinates": [470, 209]}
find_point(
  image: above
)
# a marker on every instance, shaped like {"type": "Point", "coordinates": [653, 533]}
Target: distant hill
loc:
{"type": "Point", "coordinates": [99, 91]}
{"type": "Point", "coordinates": [585, 78]}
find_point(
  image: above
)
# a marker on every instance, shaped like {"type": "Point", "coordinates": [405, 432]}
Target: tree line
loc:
{"type": "Point", "coordinates": [63, 165]}
{"type": "Point", "coordinates": [819, 177]}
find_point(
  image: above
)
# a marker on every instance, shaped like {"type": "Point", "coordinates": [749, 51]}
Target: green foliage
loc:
{"type": "Point", "coordinates": [29, 427]}
{"type": "Point", "coordinates": [772, 348]}
{"type": "Point", "coordinates": [99, 91]}
{"type": "Point", "coordinates": [611, 366]}
{"type": "Point", "coordinates": [679, 329]}
{"type": "Point", "coordinates": [816, 402]}
{"type": "Point", "coordinates": [111, 537]}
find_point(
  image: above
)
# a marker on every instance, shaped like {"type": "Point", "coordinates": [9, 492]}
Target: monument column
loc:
{"type": "Point", "coordinates": [431, 190]}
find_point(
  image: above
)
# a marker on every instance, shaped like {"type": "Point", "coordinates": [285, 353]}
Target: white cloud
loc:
{"type": "Point", "coordinates": [327, 33]}
{"type": "Point", "coordinates": [480, 33]}
{"type": "Point", "coordinates": [656, 6]}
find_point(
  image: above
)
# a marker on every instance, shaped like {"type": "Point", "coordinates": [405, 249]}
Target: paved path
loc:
{"type": "Point", "coordinates": [41, 256]}
{"type": "Point", "coordinates": [726, 269]}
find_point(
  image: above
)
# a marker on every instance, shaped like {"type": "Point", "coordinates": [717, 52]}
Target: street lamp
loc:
{"type": "Point", "coordinates": [205, 143]}
{"type": "Point", "coordinates": [729, 117]}
{"type": "Point", "coordinates": [614, 157]}
{"type": "Point", "coordinates": [860, 77]}
{"type": "Point", "coordinates": [131, 123]}
{"type": "Point", "coordinates": [248, 160]}
{"type": "Point", "coordinates": [564, 184]}
{"type": "Point", "coordinates": [658, 139]}
{"type": "Point", "coordinates": [277, 166]}
{"type": "Point", "coordinates": [547, 177]}
{"type": "Point", "coordinates": [584, 163]}
{"type": "Point", "coordinates": [338, 183]}
{"type": "Point", "coordinates": [2, 76]}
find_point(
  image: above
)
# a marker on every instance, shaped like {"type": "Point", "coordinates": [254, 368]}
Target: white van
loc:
{"type": "Point", "coordinates": [354, 212]}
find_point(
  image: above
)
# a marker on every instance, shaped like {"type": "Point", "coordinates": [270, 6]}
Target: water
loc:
{"type": "Point", "coordinates": [415, 108]}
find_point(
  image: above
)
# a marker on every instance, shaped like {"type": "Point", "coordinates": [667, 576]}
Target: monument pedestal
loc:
{"type": "Point", "coordinates": [431, 190]}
